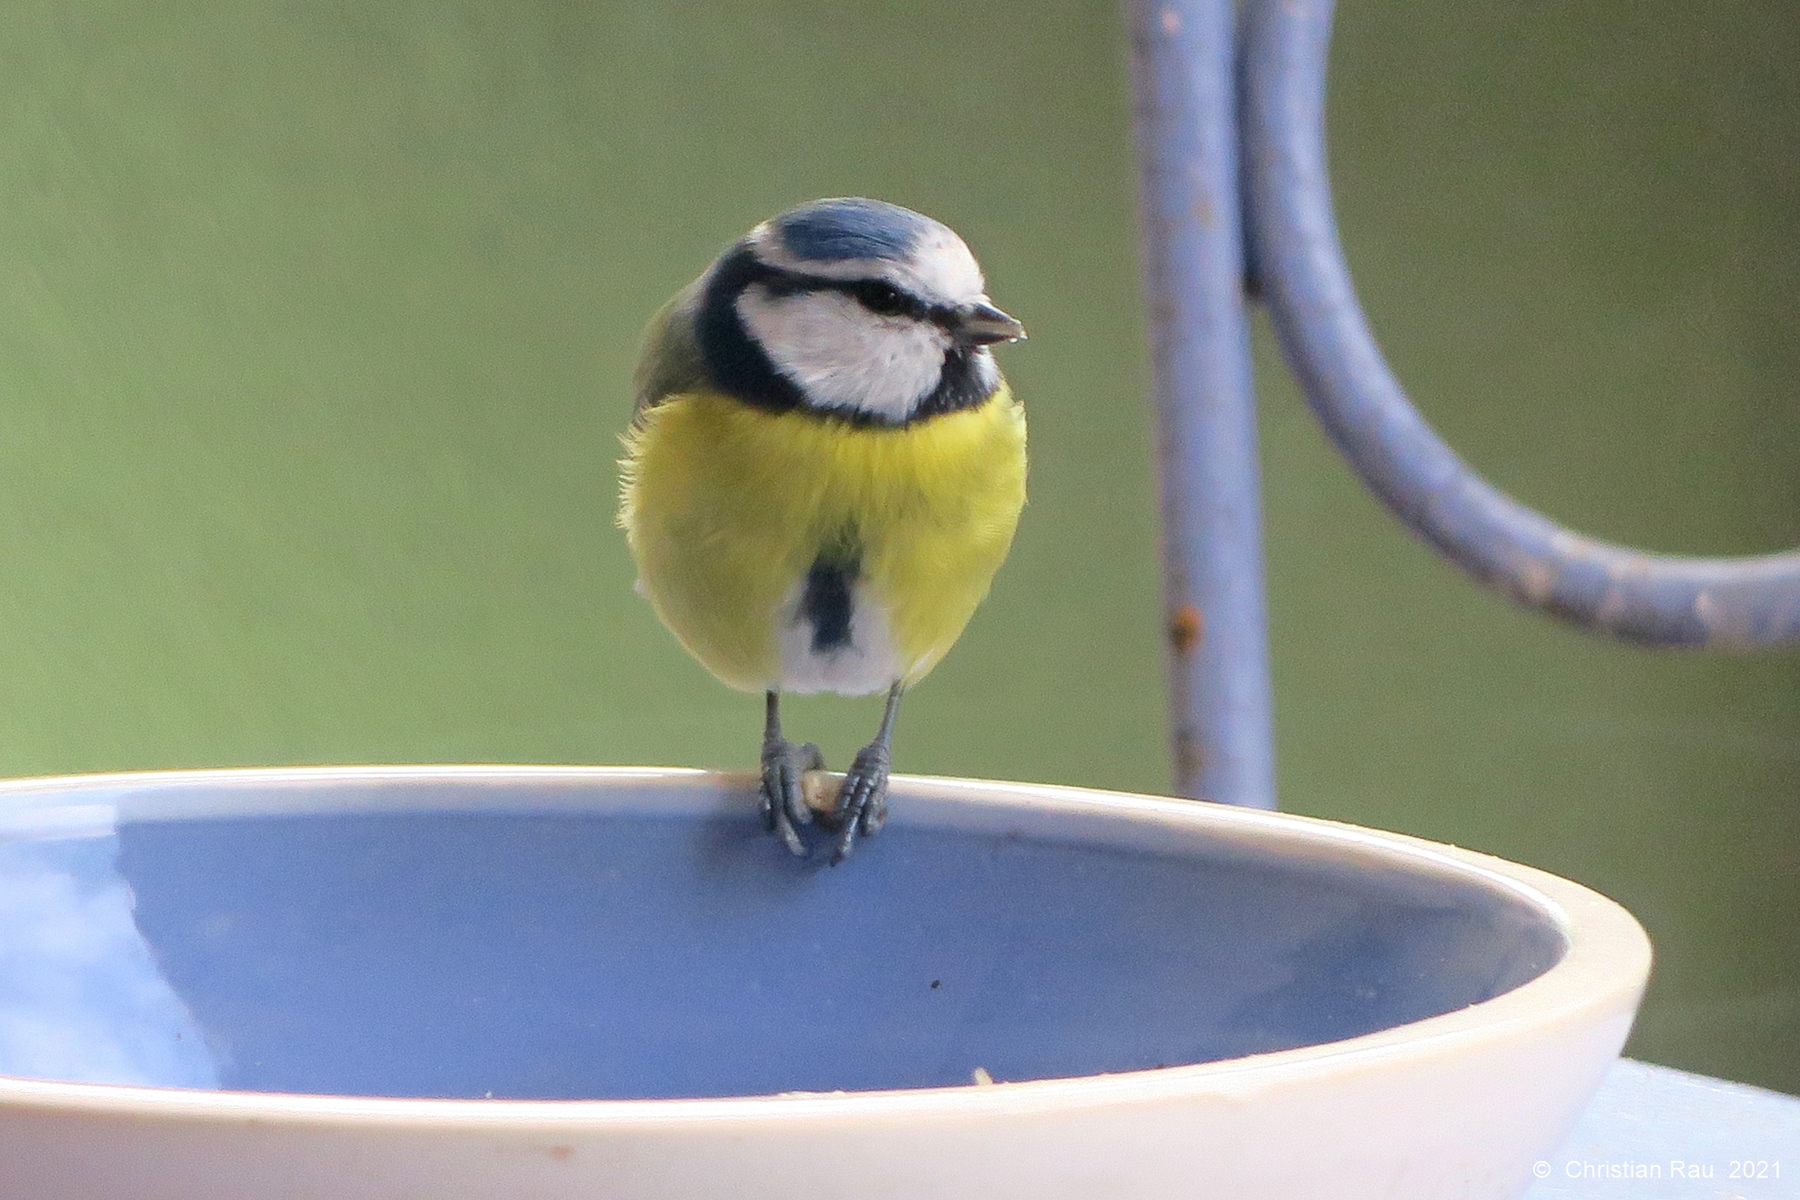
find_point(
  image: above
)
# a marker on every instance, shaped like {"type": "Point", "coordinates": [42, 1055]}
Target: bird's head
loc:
{"type": "Point", "coordinates": [853, 308]}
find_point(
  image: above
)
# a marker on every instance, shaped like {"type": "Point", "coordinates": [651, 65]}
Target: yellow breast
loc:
{"type": "Point", "coordinates": [728, 508]}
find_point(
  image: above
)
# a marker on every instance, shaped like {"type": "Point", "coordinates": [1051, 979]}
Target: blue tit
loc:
{"type": "Point", "coordinates": [823, 472]}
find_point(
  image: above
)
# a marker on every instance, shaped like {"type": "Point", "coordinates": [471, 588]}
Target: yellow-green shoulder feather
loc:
{"type": "Point", "coordinates": [670, 362]}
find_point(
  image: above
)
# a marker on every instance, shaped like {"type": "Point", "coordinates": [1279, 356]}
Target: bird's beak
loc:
{"type": "Point", "coordinates": [981, 324]}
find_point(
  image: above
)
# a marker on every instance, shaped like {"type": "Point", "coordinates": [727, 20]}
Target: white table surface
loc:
{"type": "Point", "coordinates": [1658, 1134]}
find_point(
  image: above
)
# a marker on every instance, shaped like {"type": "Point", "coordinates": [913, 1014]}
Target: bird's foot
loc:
{"type": "Point", "coordinates": [862, 803]}
{"type": "Point", "coordinates": [784, 768]}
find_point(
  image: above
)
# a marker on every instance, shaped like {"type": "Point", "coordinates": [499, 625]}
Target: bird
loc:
{"type": "Point", "coordinates": [823, 471]}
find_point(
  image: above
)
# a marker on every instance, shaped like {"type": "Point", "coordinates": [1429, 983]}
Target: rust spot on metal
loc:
{"type": "Point", "coordinates": [1707, 609]}
{"type": "Point", "coordinates": [1190, 760]}
{"type": "Point", "coordinates": [1171, 22]}
{"type": "Point", "coordinates": [1537, 579]}
{"type": "Point", "coordinates": [1614, 607]}
{"type": "Point", "coordinates": [561, 1153]}
{"type": "Point", "coordinates": [1186, 628]}
{"type": "Point", "coordinates": [1722, 628]}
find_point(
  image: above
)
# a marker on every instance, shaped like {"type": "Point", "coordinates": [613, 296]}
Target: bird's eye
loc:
{"type": "Point", "coordinates": [883, 299]}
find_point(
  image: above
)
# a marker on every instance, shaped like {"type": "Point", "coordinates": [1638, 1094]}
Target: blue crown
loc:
{"type": "Point", "coordinates": [833, 230]}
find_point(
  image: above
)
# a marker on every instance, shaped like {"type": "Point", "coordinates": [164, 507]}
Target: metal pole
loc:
{"type": "Point", "coordinates": [1183, 81]}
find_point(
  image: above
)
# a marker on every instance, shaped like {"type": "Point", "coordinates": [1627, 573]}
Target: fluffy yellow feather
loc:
{"type": "Point", "coordinates": [726, 505]}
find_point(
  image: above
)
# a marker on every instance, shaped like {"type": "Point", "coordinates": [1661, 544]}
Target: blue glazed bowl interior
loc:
{"type": "Point", "coordinates": [505, 949]}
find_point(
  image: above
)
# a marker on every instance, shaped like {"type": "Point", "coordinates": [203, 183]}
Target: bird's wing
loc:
{"type": "Point", "coordinates": [671, 362]}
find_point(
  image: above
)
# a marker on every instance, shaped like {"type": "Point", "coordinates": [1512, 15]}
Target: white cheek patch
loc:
{"type": "Point", "coordinates": [842, 356]}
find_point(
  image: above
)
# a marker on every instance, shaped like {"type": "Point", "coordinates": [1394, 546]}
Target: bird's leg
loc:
{"type": "Point", "coordinates": [862, 805]}
{"type": "Point", "coordinates": [784, 768]}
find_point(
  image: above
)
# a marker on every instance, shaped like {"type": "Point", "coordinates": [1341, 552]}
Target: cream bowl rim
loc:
{"type": "Point", "coordinates": [1602, 972]}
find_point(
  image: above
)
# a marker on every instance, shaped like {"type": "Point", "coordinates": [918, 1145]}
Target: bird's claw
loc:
{"type": "Point", "coordinates": [784, 768]}
{"type": "Point", "coordinates": [862, 803]}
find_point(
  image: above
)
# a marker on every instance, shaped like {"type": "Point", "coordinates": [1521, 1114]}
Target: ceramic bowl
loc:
{"type": "Point", "coordinates": [581, 982]}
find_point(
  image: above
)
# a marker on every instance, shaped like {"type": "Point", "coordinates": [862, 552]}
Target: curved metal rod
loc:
{"type": "Point", "coordinates": [1657, 598]}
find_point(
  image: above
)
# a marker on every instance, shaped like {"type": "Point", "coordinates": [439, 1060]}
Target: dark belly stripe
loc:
{"type": "Point", "coordinates": [827, 602]}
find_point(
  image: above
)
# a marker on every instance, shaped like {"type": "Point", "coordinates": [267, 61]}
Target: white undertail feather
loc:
{"type": "Point", "coordinates": [870, 663]}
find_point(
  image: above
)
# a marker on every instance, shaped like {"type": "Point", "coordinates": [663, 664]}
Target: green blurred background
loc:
{"type": "Point", "coordinates": [316, 322]}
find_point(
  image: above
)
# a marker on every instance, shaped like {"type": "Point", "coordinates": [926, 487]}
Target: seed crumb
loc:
{"type": "Point", "coordinates": [820, 790]}
{"type": "Point", "coordinates": [980, 1077]}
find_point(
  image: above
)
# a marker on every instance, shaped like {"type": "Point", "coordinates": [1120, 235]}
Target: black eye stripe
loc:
{"type": "Point", "coordinates": [885, 299]}
{"type": "Point", "coordinates": [876, 295]}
